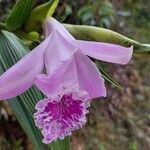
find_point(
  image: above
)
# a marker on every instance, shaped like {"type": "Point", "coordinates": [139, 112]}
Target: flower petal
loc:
{"type": "Point", "coordinates": [64, 75]}
{"type": "Point", "coordinates": [51, 24]}
{"type": "Point", "coordinates": [77, 71]}
{"type": "Point", "coordinates": [20, 77]}
{"type": "Point", "coordinates": [104, 51]}
{"type": "Point", "coordinates": [89, 77]}
{"type": "Point", "coordinates": [58, 117]}
{"type": "Point", "coordinates": [59, 51]}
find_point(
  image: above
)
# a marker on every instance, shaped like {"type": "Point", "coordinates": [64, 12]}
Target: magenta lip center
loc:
{"type": "Point", "coordinates": [66, 107]}
{"type": "Point", "coordinates": [59, 116]}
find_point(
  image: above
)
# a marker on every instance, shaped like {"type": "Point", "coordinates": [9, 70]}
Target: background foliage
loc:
{"type": "Point", "coordinates": [121, 121]}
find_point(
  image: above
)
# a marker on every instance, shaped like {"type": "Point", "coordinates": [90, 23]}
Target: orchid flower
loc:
{"type": "Point", "coordinates": [70, 82]}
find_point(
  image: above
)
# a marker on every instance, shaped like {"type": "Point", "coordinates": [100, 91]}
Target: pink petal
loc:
{"type": "Point", "coordinates": [89, 77]}
{"type": "Point", "coordinates": [51, 24]}
{"type": "Point", "coordinates": [58, 117]}
{"type": "Point", "coordinates": [104, 51]}
{"type": "Point", "coordinates": [64, 75]}
{"type": "Point", "coordinates": [59, 51]}
{"type": "Point", "coordinates": [21, 76]}
{"type": "Point", "coordinates": [77, 71]}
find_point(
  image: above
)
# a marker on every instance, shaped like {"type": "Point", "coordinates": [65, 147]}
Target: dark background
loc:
{"type": "Point", "coordinates": [122, 120]}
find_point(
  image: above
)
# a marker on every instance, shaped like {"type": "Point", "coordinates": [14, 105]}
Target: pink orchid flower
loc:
{"type": "Point", "coordinates": [70, 82]}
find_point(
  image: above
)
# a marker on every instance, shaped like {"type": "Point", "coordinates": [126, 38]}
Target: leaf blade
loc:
{"type": "Point", "coordinates": [107, 77]}
{"type": "Point", "coordinates": [84, 32]}
{"type": "Point", "coordinates": [39, 14]}
{"type": "Point", "coordinates": [11, 50]}
{"type": "Point", "coordinates": [19, 14]}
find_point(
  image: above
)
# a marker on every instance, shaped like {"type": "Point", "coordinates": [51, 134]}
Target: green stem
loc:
{"type": "Point", "coordinates": [60, 144]}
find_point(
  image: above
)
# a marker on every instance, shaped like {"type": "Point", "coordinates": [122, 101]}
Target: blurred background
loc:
{"type": "Point", "coordinates": [122, 120]}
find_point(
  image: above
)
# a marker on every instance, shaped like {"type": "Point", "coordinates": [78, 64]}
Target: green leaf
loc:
{"type": "Point", "coordinates": [34, 22]}
{"type": "Point", "coordinates": [12, 49]}
{"type": "Point", "coordinates": [19, 14]}
{"type": "Point", "coordinates": [55, 146]}
{"type": "Point", "coordinates": [61, 144]}
{"type": "Point", "coordinates": [133, 146]}
{"type": "Point", "coordinates": [84, 32]}
{"type": "Point", "coordinates": [28, 38]}
{"type": "Point", "coordinates": [106, 76]}
{"type": "Point", "coordinates": [65, 144]}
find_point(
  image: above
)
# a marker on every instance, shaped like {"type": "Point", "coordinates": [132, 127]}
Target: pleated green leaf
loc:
{"type": "Point", "coordinates": [84, 32]}
{"type": "Point", "coordinates": [38, 15]}
{"type": "Point", "coordinates": [11, 50]}
{"type": "Point", "coordinates": [19, 14]}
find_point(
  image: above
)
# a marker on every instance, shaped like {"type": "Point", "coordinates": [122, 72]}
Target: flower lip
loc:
{"type": "Point", "coordinates": [59, 116]}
